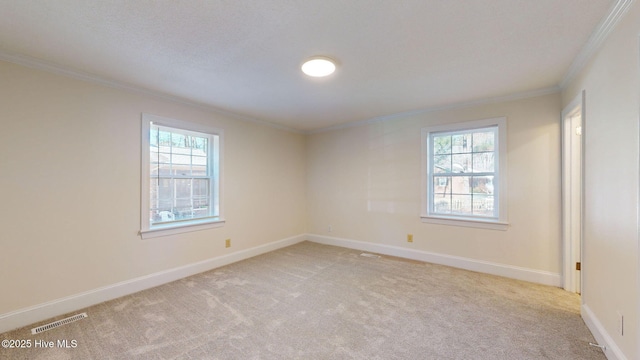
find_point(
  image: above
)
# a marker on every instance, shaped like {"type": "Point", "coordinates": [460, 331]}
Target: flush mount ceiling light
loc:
{"type": "Point", "coordinates": [319, 66]}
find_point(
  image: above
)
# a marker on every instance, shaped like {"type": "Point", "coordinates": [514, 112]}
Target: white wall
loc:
{"type": "Point", "coordinates": [70, 187]}
{"type": "Point", "coordinates": [365, 182]}
{"type": "Point", "coordinates": [610, 244]}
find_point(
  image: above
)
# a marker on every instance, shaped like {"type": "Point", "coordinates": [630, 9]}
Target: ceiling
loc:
{"type": "Point", "coordinates": [244, 57]}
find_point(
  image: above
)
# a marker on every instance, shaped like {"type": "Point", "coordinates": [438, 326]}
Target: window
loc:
{"type": "Point", "coordinates": [180, 176]}
{"type": "Point", "coordinates": [464, 179]}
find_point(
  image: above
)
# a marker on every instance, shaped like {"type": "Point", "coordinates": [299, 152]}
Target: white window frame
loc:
{"type": "Point", "coordinates": [500, 180]}
{"type": "Point", "coordinates": [147, 230]}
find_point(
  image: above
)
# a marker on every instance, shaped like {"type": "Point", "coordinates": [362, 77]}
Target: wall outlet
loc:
{"type": "Point", "coordinates": [330, 228]}
{"type": "Point", "coordinates": [227, 243]}
{"type": "Point", "coordinates": [410, 238]}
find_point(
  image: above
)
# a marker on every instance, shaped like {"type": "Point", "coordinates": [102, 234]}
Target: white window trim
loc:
{"type": "Point", "coordinates": [501, 223]}
{"type": "Point", "coordinates": [146, 230]}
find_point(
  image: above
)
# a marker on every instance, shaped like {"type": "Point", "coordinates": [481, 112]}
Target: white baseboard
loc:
{"type": "Point", "coordinates": [601, 335]}
{"type": "Point", "coordinates": [37, 313]}
{"type": "Point", "coordinates": [514, 272]}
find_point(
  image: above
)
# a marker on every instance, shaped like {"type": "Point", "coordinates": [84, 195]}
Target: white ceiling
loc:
{"type": "Point", "coordinates": [244, 57]}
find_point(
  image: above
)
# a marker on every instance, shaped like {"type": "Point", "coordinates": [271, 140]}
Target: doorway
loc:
{"type": "Point", "coordinates": [572, 193]}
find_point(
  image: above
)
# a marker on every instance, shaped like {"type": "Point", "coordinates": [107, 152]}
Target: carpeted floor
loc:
{"type": "Point", "coordinates": [311, 301]}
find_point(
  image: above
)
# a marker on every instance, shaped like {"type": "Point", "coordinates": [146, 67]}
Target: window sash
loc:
{"type": "Point", "coordinates": [196, 202]}
{"type": "Point", "coordinates": [481, 204]}
{"type": "Point", "coordinates": [171, 150]}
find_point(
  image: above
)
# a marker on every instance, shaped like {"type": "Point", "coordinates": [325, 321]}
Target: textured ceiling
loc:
{"type": "Point", "coordinates": [244, 57]}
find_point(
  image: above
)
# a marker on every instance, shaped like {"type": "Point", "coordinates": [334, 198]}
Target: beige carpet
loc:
{"type": "Point", "coordinates": [311, 301]}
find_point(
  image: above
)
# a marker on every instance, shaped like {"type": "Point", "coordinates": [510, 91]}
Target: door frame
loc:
{"type": "Point", "coordinates": [572, 245]}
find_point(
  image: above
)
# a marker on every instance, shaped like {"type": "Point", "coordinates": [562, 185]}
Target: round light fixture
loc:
{"type": "Point", "coordinates": [319, 66]}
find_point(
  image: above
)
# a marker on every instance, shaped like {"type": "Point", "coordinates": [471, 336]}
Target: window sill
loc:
{"type": "Point", "coordinates": [179, 228]}
{"type": "Point", "coordinates": [466, 222]}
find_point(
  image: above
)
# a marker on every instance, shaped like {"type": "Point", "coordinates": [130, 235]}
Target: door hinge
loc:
{"type": "Point", "coordinates": [578, 265]}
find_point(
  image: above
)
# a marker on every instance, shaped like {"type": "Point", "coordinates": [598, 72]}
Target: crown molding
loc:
{"type": "Point", "coordinates": [599, 34]}
{"type": "Point", "coordinates": [83, 76]}
{"type": "Point", "coordinates": [602, 30]}
{"type": "Point", "coordinates": [597, 37]}
{"type": "Point", "coordinates": [460, 105]}
{"type": "Point", "coordinates": [87, 77]}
